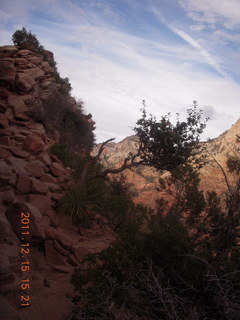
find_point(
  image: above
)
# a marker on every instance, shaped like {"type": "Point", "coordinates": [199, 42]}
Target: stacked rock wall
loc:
{"type": "Point", "coordinates": [32, 180]}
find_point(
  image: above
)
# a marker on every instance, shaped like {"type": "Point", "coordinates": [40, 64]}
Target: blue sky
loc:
{"type": "Point", "coordinates": [118, 52]}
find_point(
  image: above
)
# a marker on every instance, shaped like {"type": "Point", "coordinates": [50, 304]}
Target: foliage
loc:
{"type": "Point", "coordinates": [184, 265]}
{"type": "Point", "coordinates": [26, 40]}
{"type": "Point", "coordinates": [164, 145]}
{"type": "Point", "coordinates": [80, 202]}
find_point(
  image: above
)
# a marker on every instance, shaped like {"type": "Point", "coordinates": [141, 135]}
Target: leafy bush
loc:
{"type": "Point", "coordinates": [26, 40]}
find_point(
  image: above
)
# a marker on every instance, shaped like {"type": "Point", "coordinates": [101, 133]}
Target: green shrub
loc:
{"type": "Point", "coordinates": [80, 202]}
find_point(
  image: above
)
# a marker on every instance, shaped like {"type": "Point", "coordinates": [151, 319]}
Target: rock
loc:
{"type": "Point", "coordinates": [42, 202]}
{"type": "Point", "coordinates": [51, 233]}
{"type": "Point", "coordinates": [6, 310]}
{"type": "Point", "coordinates": [36, 168]}
{"type": "Point", "coordinates": [45, 222]}
{"type": "Point", "coordinates": [9, 50]}
{"type": "Point", "coordinates": [57, 169]}
{"type": "Point", "coordinates": [52, 187]}
{"type": "Point", "coordinates": [62, 269]}
{"type": "Point", "coordinates": [14, 216]}
{"type": "Point", "coordinates": [8, 197]}
{"type": "Point", "coordinates": [8, 73]}
{"type": "Point", "coordinates": [36, 59]}
{"type": "Point", "coordinates": [47, 283]}
{"type": "Point", "coordinates": [18, 152]}
{"type": "Point", "coordinates": [53, 217]}
{"type": "Point", "coordinates": [38, 187]}
{"type": "Point", "coordinates": [60, 249]}
{"type": "Point", "coordinates": [66, 242]}
{"type": "Point", "coordinates": [9, 283]}
{"type": "Point", "coordinates": [3, 105]}
{"type": "Point", "coordinates": [17, 164]}
{"type": "Point", "coordinates": [80, 253]}
{"type": "Point", "coordinates": [47, 178]}
{"type": "Point", "coordinates": [5, 173]}
{"type": "Point", "coordinates": [23, 183]}
{"type": "Point", "coordinates": [71, 260]}
{"type": "Point", "coordinates": [22, 63]}
{"type": "Point", "coordinates": [6, 141]}
{"type": "Point", "coordinates": [52, 255]}
{"type": "Point", "coordinates": [25, 53]}
{"type": "Point", "coordinates": [46, 67]}
{"type": "Point", "coordinates": [4, 122]}
{"type": "Point", "coordinates": [4, 93]}
{"type": "Point", "coordinates": [33, 144]}
{"type": "Point", "coordinates": [17, 104]}
{"type": "Point", "coordinates": [4, 153]}
{"type": "Point", "coordinates": [45, 159]}
{"type": "Point", "coordinates": [24, 82]}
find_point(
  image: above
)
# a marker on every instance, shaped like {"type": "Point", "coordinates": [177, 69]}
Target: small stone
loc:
{"type": "Point", "coordinates": [24, 82]}
{"type": "Point", "coordinates": [51, 254]}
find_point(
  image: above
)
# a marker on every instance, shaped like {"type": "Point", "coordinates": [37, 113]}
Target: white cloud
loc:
{"type": "Point", "coordinates": [211, 12]}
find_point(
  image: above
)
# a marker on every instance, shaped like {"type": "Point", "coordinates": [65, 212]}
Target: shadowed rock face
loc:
{"type": "Point", "coordinates": [31, 181]}
{"type": "Point", "coordinates": [144, 180]}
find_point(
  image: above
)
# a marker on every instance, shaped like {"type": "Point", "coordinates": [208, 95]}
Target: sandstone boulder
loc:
{"type": "Point", "coordinates": [57, 169]}
{"type": "Point", "coordinates": [33, 144]}
{"type": "Point", "coordinates": [24, 82]}
{"type": "Point", "coordinates": [17, 104]}
{"type": "Point", "coordinates": [38, 187]}
{"type": "Point", "coordinates": [8, 73]}
{"type": "Point", "coordinates": [52, 255]}
{"type": "Point", "coordinates": [47, 178]}
{"type": "Point", "coordinates": [36, 168]}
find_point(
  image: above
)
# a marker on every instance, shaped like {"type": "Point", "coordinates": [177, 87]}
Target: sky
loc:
{"type": "Point", "coordinates": [117, 53]}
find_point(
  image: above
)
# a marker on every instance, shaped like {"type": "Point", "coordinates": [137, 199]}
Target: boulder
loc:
{"type": "Point", "coordinates": [18, 152]}
{"type": "Point", "coordinates": [24, 82]}
{"type": "Point", "coordinates": [60, 249]}
{"type": "Point", "coordinates": [38, 187]}
{"type": "Point", "coordinates": [50, 233]}
{"type": "Point", "coordinates": [22, 63]}
{"type": "Point", "coordinates": [8, 73]}
{"type": "Point", "coordinates": [52, 255]}
{"type": "Point", "coordinates": [8, 197]}
{"type": "Point", "coordinates": [4, 122]}
{"type": "Point", "coordinates": [14, 216]}
{"type": "Point", "coordinates": [4, 154]}
{"type": "Point", "coordinates": [42, 202]}
{"type": "Point", "coordinates": [18, 165]}
{"type": "Point", "coordinates": [17, 104]}
{"type": "Point", "coordinates": [57, 169]}
{"type": "Point", "coordinates": [36, 168]}
{"type": "Point", "coordinates": [6, 141]}
{"type": "Point", "coordinates": [4, 93]}
{"type": "Point", "coordinates": [33, 144]}
{"type": "Point", "coordinates": [45, 159]}
{"type": "Point", "coordinates": [80, 252]}
{"type": "Point", "coordinates": [47, 178]}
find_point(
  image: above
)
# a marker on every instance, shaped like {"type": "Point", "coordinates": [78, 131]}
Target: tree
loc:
{"type": "Point", "coordinates": [26, 40]}
{"type": "Point", "coordinates": [162, 144]}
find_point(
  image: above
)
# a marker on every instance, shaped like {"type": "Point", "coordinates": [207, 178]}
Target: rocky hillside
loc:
{"type": "Point", "coordinates": [144, 180]}
{"type": "Point", "coordinates": [36, 113]}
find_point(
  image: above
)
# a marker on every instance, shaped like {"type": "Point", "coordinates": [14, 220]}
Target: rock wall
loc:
{"type": "Point", "coordinates": [32, 180]}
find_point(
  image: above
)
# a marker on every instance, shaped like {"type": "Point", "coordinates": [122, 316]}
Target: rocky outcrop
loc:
{"type": "Point", "coordinates": [32, 180]}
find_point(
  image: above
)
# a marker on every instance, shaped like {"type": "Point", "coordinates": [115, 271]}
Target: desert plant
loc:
{"type": "Point", "coordinates": [80, 202]}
